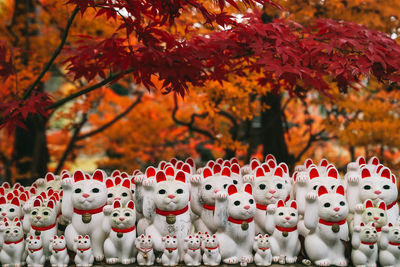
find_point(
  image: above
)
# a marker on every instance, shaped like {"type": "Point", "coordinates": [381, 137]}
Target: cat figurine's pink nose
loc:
{"type": "Point", "coordinates": [376, 218]}
{"type": "Point", "coordinates": [246, 207]}
{"type": "Point", "coordinates": [171, 196]}
{"type": "Point", "coordinates": [287, 218]}
{"type": "Point", "coordinates": [216, 190]}
{"type": "Point", "coordinates": [38, 217]}
{"type": "Point", "coordinates": [336, 209]}
{"type": "Point", "coordinates": [4, 214]}
{"type": "Point", "coordinates": [117, 198]}
{"type": "Point", "coordinates": [377, 192]}
{"type": "Point", "coordinates": [121, 219]}
{"type": "Point", "coordinates": [272, 191]}
{"type": "Point", "coordinates": [85, 195]}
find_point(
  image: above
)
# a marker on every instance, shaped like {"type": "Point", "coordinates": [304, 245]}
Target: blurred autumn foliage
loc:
{"type": "Point", "coordinates": [121, 84]}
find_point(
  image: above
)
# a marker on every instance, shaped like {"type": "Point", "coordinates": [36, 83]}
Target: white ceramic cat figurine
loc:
{"type": "Point", "coordinates": [84, 255]}
{"type": "Point", "coordinates": [262, 248]}
{"type": "Point", "coordinates": [118, 189]}
{"type": "Point", "coordinates": [144, 247]}
{"type": "Point", "coordinates": [325, 217]}
{"type": "Point", "coordinates": [234, 213]}
{"type": "Point", "coordinates": [13, 252]}
{"type": "Point", "coordinates": [282, 223]}
{"type": "Point", "coordinates": [210, 247]}
{"type": "Point", "coordinates": [143, 222]}
{"type": "Point", "coordinates": [365, 248]}
{"type": "Point", "coordinates": [83, 200]}
{"type": "Point", "coordinates": [169, 200]}
{"type": "Point", "coordinates": [170, 256]}
{"type": "Point", "coordinates": [389, 246]}
{"type": "Point", "coordinates": [59, 254]}
{"type": "Point", "coordinates": [192, 255]}
{"type": "Point", "coordinates": [120, 224]}
{"type": "Point", "coordinates": [368, 213]}
{"type": "Point", "coordinates": [204, 188]}
{"type": "Point", "coordinates": [35, 257]}
{"type": "Point", "coordinates": [10, 209]}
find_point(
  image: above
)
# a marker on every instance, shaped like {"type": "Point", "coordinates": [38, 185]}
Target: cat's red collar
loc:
{"type": "Point", "coordinates": [58, 249]}
{"type": "Point", "coordinates": [322, 221]}
{"type": "Point", "coordinates": [170, 249]}
{"type": "Point", "coordinates": [239, 221]}
{"type": "Point", "coordinates": [83, 249]}
{"type": "Point", "coordinates": [31, 250]}
{"type": "Point", "coordinates": [127, 230]}
{"type": "Point", "coordinates": [172, 212]}
{"type": "Point", "coordinates": [261, 207]}
{"type": "Point", "coordinates": [284, 229]}
{"type": "Point", "coordinates": [13, 242]}
{"type": "Point", "coordinates": [394, 244]}
{"type": "Point", "coordinates": [388, 207]}
{"type": "Point", "coordinates": [209, 207]}
{"type": "Point", "coordinates": [211, 248]}
{"type": "Point", "coordinates": [368, 243]}
{"type": "Point", "coordinates": [36, 228]}
{"type": "Point", "coordinates": [263, 248]}
{"type": "Point", "coordinates": [194, 249]}
{"type": "Point", "coordinates": [144, 250]}
{"type": "Point", "coordinates": [93, 211]}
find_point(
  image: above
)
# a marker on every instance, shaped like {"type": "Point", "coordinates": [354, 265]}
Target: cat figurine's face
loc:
{"type": "Point", "coordinates": [286, 216]}
{"type": "Point", "coordinates": [193, 241]}
{"type": "Point", "coordinates": [378, 186]}
{"type": "Point", "coordinates": [118, 189]}
{"type": "Point", "coordinates": [123, 217]}
{"type": "Point", "coordinates": [269, 188]}
{"type": "Point", "coordinates": [83, 242]}
{"type": "Point", "coordinates": [43, 214]}
{"type": "Point", "coordinates": [170, 242]}
{"type": "Point", "coordinates": [368, 233]}
{"type": "Point", "coordinates": [377, 215]}
{"type": "Point", "coordinates": [214, 181]}
{"type": "Point", "coordinates": [210, 241]}
{"type": "Point", "coordinates": [10, 208]}
{"type": "Point", "coordinates": [53, 181]}
{"type": "Point", "coordinates": [332, 206]}
{"type": "Point", "coordinates": [144, 242]}
{"type": "Point", "coordinates": [241, 205]}
{"type": "Point", "coordinates": [58, 242]}
{"type": "Point", "coordinates": [171, 194]}
{"type": "Point", "coordinates": [262, 241]}
{"type": "Point", "coordinates": [34, 242]}
{"type": "Point", "coordinates": [394, 233]}
{"type": "Point", "coordinates": [89, 192]}
{"type": "Point", "coordinates": [12, 230]}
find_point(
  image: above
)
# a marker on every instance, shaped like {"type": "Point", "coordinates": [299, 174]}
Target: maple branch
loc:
{"type": "Point", "coordinates": [87, 90]}
{"type": "Point", "coordinates": [313, 138]}
{"type": "Point", "coordinates": [113, 121]}
{"type": "Point", "coordinates": [6, 164]}
{"type": "Point", "coordinates": [54, 56]}
{"type": "Point", "coordinates": [235, 127]}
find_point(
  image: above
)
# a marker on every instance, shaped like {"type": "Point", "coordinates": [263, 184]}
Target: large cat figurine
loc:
{"type": "Point", "coordinates": [389, 246]}
{"type": "Point", "coordinates": [83, 200]}
{"type": "Point", "coordinates": [325, 217]}
{"type": "Point", "coordinates": [234, 214]}
{"type": "Point", "coordinates": [167, 207]}
{"type": "Point", "coordinates": [281, 222]}
{"type": "Point", "coordinates": [365, 248]}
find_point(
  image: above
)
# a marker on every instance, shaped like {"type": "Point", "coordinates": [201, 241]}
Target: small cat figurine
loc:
{"type": "Point", "coordinates": [118, 189]}
{"type": "Point", "coordinates": [262, 248]}
{"type": "Point", "coordinates": [83, 200]}
{"type": "Point", "coordinates": [211, 255]}
{"type": "Point", "coordinates": [365, 248]}
{"type": "Point", "coordinates": [325, 217]}
{"type": "Point", "coordinates": [368, 213]}
{"type": "Point", "coordinates": [13, 252]}
{"type": "Point", "coordinates": [120, 224]}
{"type": "Point", "coordinates": [389, 246]}
{"type": "Point", "coordinates": [144, 247]}
{"type": "Point", "coordinates": [170, 256]}
{"type": "Point", "coordinates": [84, 255]}
{"type": "Point", "coordinates": [234, 214]}
{"type": "Point", "coordinates": [36, 256]}
{"type": "Point", "coordinates": [59, 254]}
{"type": "Point", "coordinates": [282, 223]}
{"type": "Point", "coordinates": [192, 255]}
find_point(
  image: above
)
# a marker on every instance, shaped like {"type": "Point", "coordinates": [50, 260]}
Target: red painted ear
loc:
{"type": "Point", "coordinates": [179, 165]}
{"type": "Point", "coordinates": [174, 236]}
{"type": "Point", "coordinates": [79, 176]}
{"type": "Point", "coordinates": [365, 173]}
{"type": "Point", "coordinates": [323, 163]}
{"type": "Point", "coordinates": [130, 204]}
{"type": "Point", "coordinates": [16, 192]}
{"type": "Point", "coordinates": [49, 177]}
{"type": "Point", "coordinates": [385, 173]}
{"type": "Point", "coordinates": [234, 160]}
{"type": "Point", "coordinates": [266, 168]}
{"type": "Point", "coordinates": [368, 204]}
{"type": "Point", "coordinates": [19, 224]}
{"type": "Point", "coordinates": [23, 197]}
{"type": "Point", "coordinates": [219, 161]}
{"type": "Point", "coordinates": [32, 191]}
{"type": "Point", "coordinates": [86, 237]}
{"type": "Point", "coordinates": [38, 237]}
{"type": "Point", "coordinates": [37, 203]}
{"type": "Point", "coordinates": [269, 157]}
{"type": "Point", "coordinates": [235, 168]}
{"type": "Point", "coordinates": [232, 189]}
{"type": "Point", "coordinates": [115, 173]}
{"type": "Point", "coordinates": [226, 171]}
{"type": "Point", "coordinates": [284, 167]}
{"type": "Point", "coordinates": [313, 173]}
{"type": "Point", "coordinates": [50, 204]}
{"type": "Point", "coordinates": [293, 204]}
{"type": "Point", "coordinates": [210, 164]}
{"type": "Point", "coordinates": [169, 171]}
{"type": "Point", "coordinates": [6, 185]}
{"type": "Point", "coordinates": [50, 192]}
{"type": "Point", "coordinates": [390, 224]}
{"type": "Point", "coordinates": [278, 172]}
{"type": "Point", "coordinates": [124, 175]}
{"type": "Point", "coordinates": [217, 169]}
{"type": "Point", "coordinates": [248, 189]}
{"type": "Point", "coordinates": [333, 173]}
{"type": "Point", "coordinates": [87, 176]}
{"type": "Point", "coordinates": [254, 164]}
{"type": "Point", "coordinates": [362, 224]}
{"type": "Point", "coordinates": [294, 176]}
{"type": "Point", "coordinates": [361, 161]}
{"type": "Point", "coordinates": [31, 237]}
{"type": "Point", "coordinates": [2, 200]}
{"type": "Point", "coordinates": [117, 204]}
{"type": "Point", "coordinates": [308, 162]}
{"type": "Point", "coordinates": [126, 183]}
{"type": "Point", "coordinates": [117, 180]}
{"type": "Point", "coordinates": [98, 175]}
{"type": "Point", "coordinates": [65, 176]}
{"type": "Point", "coordinates": [62, 237]}
{"type": "Point", "coordinates": [207, 172]}
{"type": "Point", "coordinates": [180, 176]}
{"type": "Point", "coordinates": [280, 203]}
{"type": "Point", "coordinates": [160, 176]}
{"type": "Point", "coordinates": [393, 179]}
{"type": "Point", "coordinates": [9, 196]}
{"type": "Point", "coordinates": [322, 190]}
{"type": "Point", "coordinates": [340, 190]}
{"type": "Point", "coordinates": [162, 165]}
{"type": "Point", "coordinates": [374, 161]}
{"type": "Point", "coordinates": [378, 169]}
{"type": "Point", "coordinates": [190, 161]}
{"type": "Point", "coordinates": [226, 163]}
{"type": "Point", "coordinates": [15, 201]}
{"type": "Point", "coordinates": [260, 172]}
{"type": "Point", "coordinates": [150, 172]}
{"type": "Point", "coordinates": [271, 164]}
{"type": "Point", "coordinates": [43, 195]}
{"type": "Point", "coordinates": [186, 168]}
{"type": "Point", "coordinates": [109, 183]}
{"type": "Point", "coordinates": [2, 191]}
{"type": "Point", "coordinates": [382, 205]}
{"type": "Point", "coordinates": [173, 161]}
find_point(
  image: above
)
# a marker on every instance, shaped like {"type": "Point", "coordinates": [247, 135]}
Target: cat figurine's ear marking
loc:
{"type": "Point", "coordinates": [254, 164]}
{"type": "Point", "coordinates": [126, 183]}
{"type": "Point", "coordinates": [308, 162]}
{"type": "Point", "coordinates": [369, 204]}
{"type": "Point", "coordinates": [293, 204]}
{"type": "Point", "coordinates": [280, 203]}
{"type": "Point", "coordinates": [117, 204]}
{"type": "Point", "coordinates": [98, 175]}
{"type": "Point", "coordinates": [365, 173]}
{"type": "Point", "coordinates": [313, 173]}
{"type": "Point", "coordinates": [382, 205]}
{"type": "Point", "coordinates": [340, 190]}
{"type": "Point", "coordinates": [278, 172]}
{"type": "Point", "coordinates": [226, 171]}
{"type": "Point", "coordinates": [130, 204]}
{"type": "Point", "coordinates": [150, 172]}
{"type": "Point", "coordinates": [109, 183]}
{"type": "Point", "coordinates": [160, 177]}
{"type": "Point", "coordinates": [333, 173]}
{"type": "Point", "coordinates": [260, 172]}
{"type": "Point", "coordinates": [79, 176]}
{"type": "Point", "coordinates": [248, 189]}
{"type": "Point", "coordinates": [217, 169]}
{"type": "Point", "coordinates": [385, 173]}
{"type": "Point", "coordinates": [322, 190]}
{"type": "Point", "coordinates": [180, 176]}
{"type": "Point", "coordinates": [169, 171]}
{"type": "Point", "coordinates": [232, 190]}
{"type": "Point", "coordinates": [49, 177]}
{"type": "Point", "coordinates": [207, 172]}
{"type": "Point", "coordinates": [235, 168]}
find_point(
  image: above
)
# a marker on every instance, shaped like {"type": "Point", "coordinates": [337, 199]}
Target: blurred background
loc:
{"type": "Point", "coordinates": [126, 127]}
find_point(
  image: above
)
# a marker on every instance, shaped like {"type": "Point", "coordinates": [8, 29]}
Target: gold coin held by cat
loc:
{"type": "Point", "coordinates": [37, 233]}
{"type": "Point", "coordinates": [285, 234]}
{"type": "Point", "coordinates": [86, 218]}
{"type": "Point", "coordinates": [371, 246]}
{"type": "Point", "coordinates": [245, 226]}
{"type": "Point", "coordinates": [171, 219]}
{"type": "Point", "coordinates": [145, 255]}
{"type": "Point", "coordinates": [335, 228]}
{"type": "Point", "coordinates": [120, 235]}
